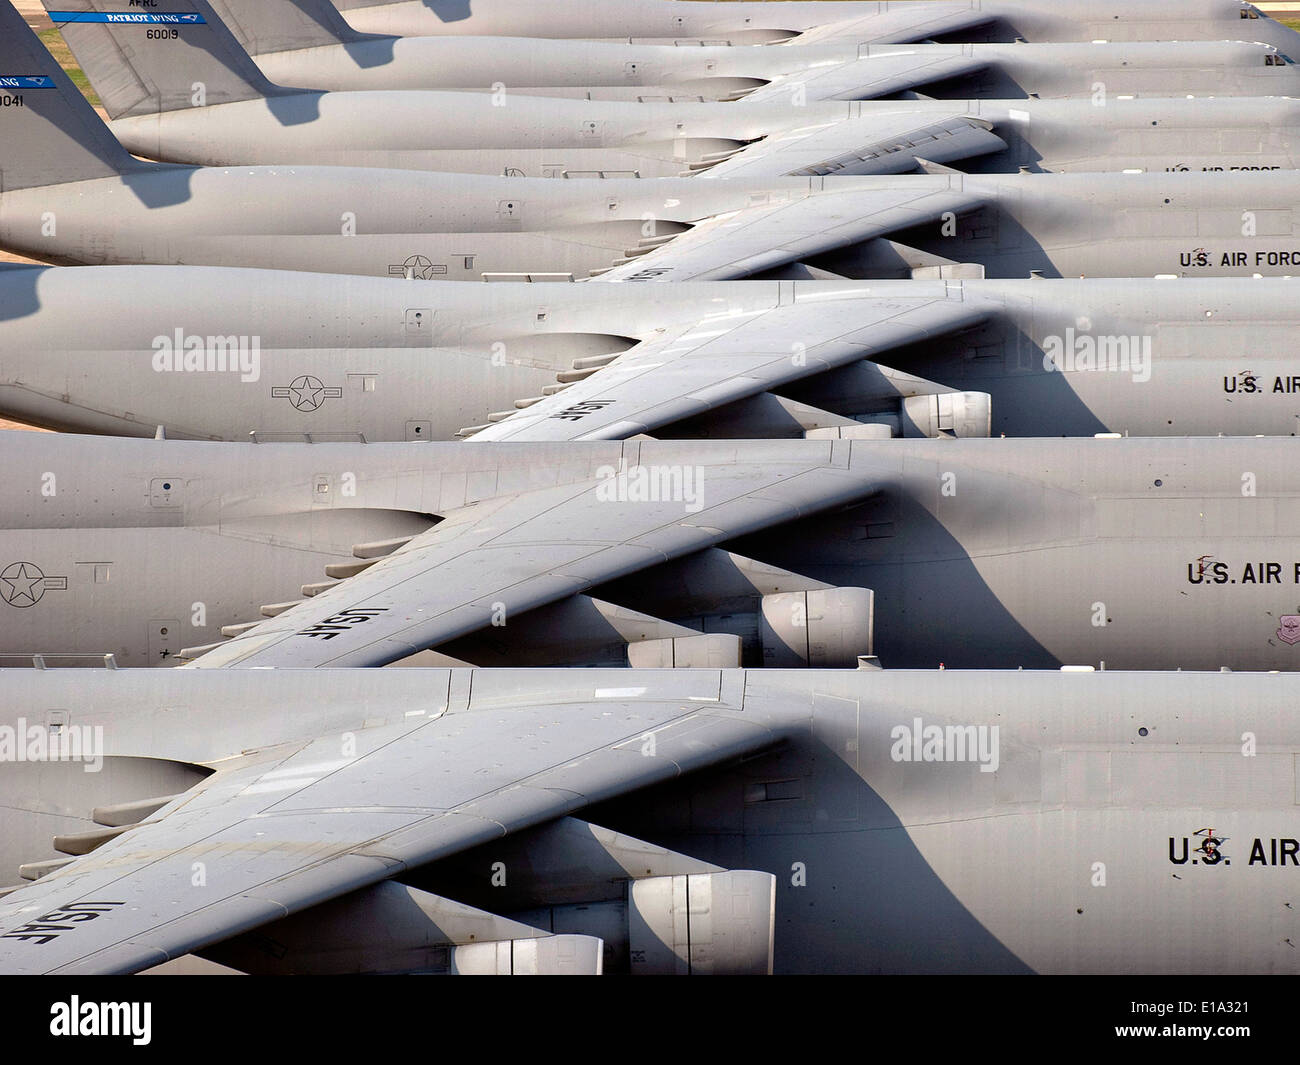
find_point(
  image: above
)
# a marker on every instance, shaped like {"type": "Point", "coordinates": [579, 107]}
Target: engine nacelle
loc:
{"type": "Point", "coordinates": [717, 650]}
{"type": "Point", "coordinates": [961, 414]}
{"type": "Point", "coordinates": [707, 924]}
{"type": "Point", "coordinates": [823, 629]}
{"type": "Point", "coordinates": [562, 955]}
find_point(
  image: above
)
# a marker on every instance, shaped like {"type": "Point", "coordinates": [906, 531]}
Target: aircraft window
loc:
{"type": "Point", "coordinates": [1248, 12]}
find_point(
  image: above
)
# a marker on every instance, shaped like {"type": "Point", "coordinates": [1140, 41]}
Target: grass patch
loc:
{"type": "Point", "coordinates": [53, 40]}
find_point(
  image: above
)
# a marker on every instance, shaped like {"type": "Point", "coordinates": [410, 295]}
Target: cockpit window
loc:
{"type": "Point", "coordinates": [1249, 12]}
{"type": "Point", "coordinates": [1277, 59]}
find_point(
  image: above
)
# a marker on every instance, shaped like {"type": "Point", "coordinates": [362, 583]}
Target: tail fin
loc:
{"type": "Point", "coordinates": [143, 62]}
{"type": "Point", "coordinates": [266, 26]}
{"type": "Point", "coordinates": [49, 134]}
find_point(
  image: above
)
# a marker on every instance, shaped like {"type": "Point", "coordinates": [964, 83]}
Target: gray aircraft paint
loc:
{"type": "Point", "coordinates": [1044, 950]}
{"type": "Point", "coordinates": [1045, 552]}
{"type": "Point", "coordinates": [308, 43]}
{"type": "Point", "coordinates": [540, 137]}
{"type": "Point", "coordinates": [243, 119]}
{"type": "Point", "coordinates": [1057, 862]}
{"type": "Point", "coordinates": [673, 20]}
{"type": "Point", "coordinates": [596, 71]}
{"type": "Point", "coordinates": [76, 197]}
{"type": "Point", "coordinates": [606, 71]}
{"type": "Point", "coordinates": [461, 227]}
{"type": "Point", "coordinates": [374, 373]}
{"type": "Point", "coordinates": [403, 361]}
{"type": "Point", "coordinates": [67, 143]}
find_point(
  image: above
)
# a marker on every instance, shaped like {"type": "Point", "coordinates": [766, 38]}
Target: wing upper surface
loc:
{"type": "Point", "coordinates": [502, 557]}
{"type": "Point", "coordinates": [900, 24]}
{"type": "Point", "coordinates": [715, 362]}
{"type": "Point", "coordinates": [283, 831]}
{"type": "Point", "coordinates": [769, 235]}
{"type": "Point", "coordinates": [867, 77]}
{"type": "Point", "coordinates": [892, 142]}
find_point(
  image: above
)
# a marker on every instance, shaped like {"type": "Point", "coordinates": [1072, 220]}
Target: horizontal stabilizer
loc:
{"type": "Point", "coordinates": [266, 26]}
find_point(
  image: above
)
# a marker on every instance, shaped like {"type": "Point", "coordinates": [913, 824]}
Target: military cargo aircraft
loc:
{"type": "Point", "coordinates": [77, 197]}
{"type": "Point", "coordinates": [685, 21]}
{"type": "Point", "coordinates": [693, 817]}
{"type": "Point", "coordinates": [687, 821]}
{"type": "Point", "coordinates": [433, 226]}
{"type": "Point", "coordinates": [1151, 554]}
{"type": "Point", "coordinates": [840, 70]}
{"type": "Point", "coordinates": [308, 43]}
{"type": "Point", "coordinates": [227, 354]}
{"type": "Point", "coordinates": [200, 99]}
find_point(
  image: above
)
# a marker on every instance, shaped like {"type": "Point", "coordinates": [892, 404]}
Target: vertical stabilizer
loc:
{"type": "Point", "coordinates": [144, 61]}
{"type": "Point", "coordinates": [49, 133]}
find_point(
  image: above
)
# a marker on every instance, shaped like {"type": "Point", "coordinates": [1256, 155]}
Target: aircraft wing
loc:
{"type": "Point", "coordinates": [494, 560]}
{"type": "Point", "coordinates": [867, 77]}
{"type": "Point", "coordinates": [764, 236]}
{"type": "Point", "coordinates": [719, 361]}
{"type": "Point", "coordinates": [893, 142]}
{"type": "Point", "coordinates": [900, 24]}
{"type": "Point", "coordinates": [280, 831]}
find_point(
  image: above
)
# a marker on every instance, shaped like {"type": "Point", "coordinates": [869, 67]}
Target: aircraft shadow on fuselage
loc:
{"type": "Point", "coordinates": [868, 902]}
{"type": "Point", "coordinates": [1012, 255]}
{"type": "Point", "coordinates": [1027, 399]}
{"type": "Point", "coordinates": [995, 32]}
{"type": "Point", "coordinates": [375, 52]}
{"type": "Point", "coordinates": [931, 604]}
{"type": "Point", "coordinates": [18, 291]}
{"type": "Point", "coordinates": [369, 55]}
{"type": "Point", "coordinates": [167, 186]}
{"type": "Point", "coordinates": [298, 108]}
{"type": "Point", "coordinates": [153, 184]}
{"type": "Point", "coordinates": [1018, 156]}
{"type": "Point", "coordinates": [450, 10]}
{"type": "Point", "coordinates": [1031, 400]}
{"type": "Point", "coordinates": [991, 83]}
